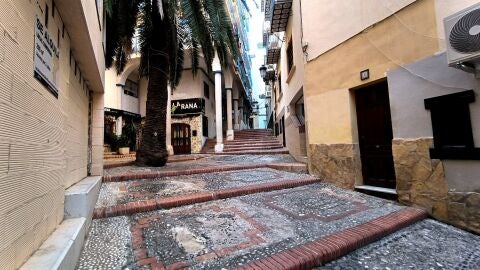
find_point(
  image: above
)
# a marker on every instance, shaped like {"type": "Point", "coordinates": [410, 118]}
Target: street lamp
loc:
{"type": "Point", "coordinates": [263, 72]}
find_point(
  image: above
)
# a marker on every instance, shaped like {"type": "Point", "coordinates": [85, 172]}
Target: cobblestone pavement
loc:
{"type": "Point", "coordinates": [425, 245]}
{"type": "Point", "coordinates": [224, 234]}
{"type": "Point", "coordinates": [210, 161]}
{"type": "Point", "coordinates": [112, 193]}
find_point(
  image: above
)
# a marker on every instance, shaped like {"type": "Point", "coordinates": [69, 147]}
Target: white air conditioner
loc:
{"type": "Point", "coordinates": [268, 93]}
{"type": "Point", "coordinates": [462, 35]}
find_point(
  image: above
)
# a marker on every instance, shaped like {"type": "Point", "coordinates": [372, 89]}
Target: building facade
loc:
{"type": "Point", "coordinates": [384, 111]}
{"type": "Point", "coordinates": [192, 117]}
{"type": "Point", "coordinates": [51, 102]}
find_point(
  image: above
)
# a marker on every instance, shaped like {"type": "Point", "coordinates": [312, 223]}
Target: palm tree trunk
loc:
{"type": "Point", "coordinates": [153, 149]}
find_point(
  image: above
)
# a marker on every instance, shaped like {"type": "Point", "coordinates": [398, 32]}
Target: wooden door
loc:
{"type": "Point", "coordinates": [375, 135]}
{"type": "Point", "coordinates": [181, 139]}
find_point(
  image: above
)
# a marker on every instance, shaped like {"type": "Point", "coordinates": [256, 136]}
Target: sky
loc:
{"type": "Point", "coordinates": [257, 53]}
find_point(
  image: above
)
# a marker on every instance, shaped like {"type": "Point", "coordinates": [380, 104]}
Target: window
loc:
{"type": "Point", "coordinates": [206, 90]}
{"type": "Point", "coordinates": [130, 88]}
{"type": "Point", "coordinates": [290, 55]}
{"type": "Point", "coordinates": [452, 127]}
{"type": "Point", "coordinates": [279, 84]}
{"type": "Point", "coordinates": [300, 111]}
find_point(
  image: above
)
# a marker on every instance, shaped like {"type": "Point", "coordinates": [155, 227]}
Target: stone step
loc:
{"type": "Point", "coordinates": [333, 246]}
{"type": "Point", "coordinates": [244, 148]}
{"type": "Point", "coordinates": [199, 197]}
{"type": "Point", "coordinates": [254, 152]}
{"type": "Point", "coordinates": [116, 156]}
{"type": "Point", "coordinates": [259, 145]}
{"type": "Point", "coordinates": [251, 136]}
{"type": "Point", "coordinates": [237, 141]}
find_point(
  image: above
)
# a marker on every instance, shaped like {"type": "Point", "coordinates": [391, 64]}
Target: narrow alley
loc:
{"type": "Point", "coordinates": [258, 212]}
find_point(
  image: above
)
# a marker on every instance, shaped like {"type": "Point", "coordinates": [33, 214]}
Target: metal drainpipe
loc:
{"type": "Point", "coordinates": [90, 147]}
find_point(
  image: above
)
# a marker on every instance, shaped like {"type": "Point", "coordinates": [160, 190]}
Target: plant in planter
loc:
{"type": "Point", "coordinates": [123, 143]}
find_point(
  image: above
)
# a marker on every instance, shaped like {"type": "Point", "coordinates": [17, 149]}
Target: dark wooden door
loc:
{"type": "Point", "coordinates": [375, 135]}
{"type": "Point", "coordinates": [283, 132]}
{"type": "Point", "coordinates": [181, 139]}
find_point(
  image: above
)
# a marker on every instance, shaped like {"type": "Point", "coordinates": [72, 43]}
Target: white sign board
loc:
{"type": "Point", "coordinates": [45, 58]}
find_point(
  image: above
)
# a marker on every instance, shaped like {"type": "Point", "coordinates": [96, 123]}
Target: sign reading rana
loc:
{"type": "Point", "coordinates": [188, 106]}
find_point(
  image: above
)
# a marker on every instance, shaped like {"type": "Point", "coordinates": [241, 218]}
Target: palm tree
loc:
{"type": "Point", "coordinates": [166, 28]}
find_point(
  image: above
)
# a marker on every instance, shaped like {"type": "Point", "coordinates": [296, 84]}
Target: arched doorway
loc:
{"type": "Point", "coordinates": [181, 140]}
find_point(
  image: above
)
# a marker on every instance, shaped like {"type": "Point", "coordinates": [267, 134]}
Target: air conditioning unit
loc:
{"type": "Point", "coordinates": [462, 34]}
{"type": "Point", "coordinates": [268, 93]}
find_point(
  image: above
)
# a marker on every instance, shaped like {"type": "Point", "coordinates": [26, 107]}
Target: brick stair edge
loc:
{"type": "Point", "coordinates": [318, 252]}
{"type": "Point", "coordinates": [151, 175]}
{"type": "Point", "coordinates": [188, 199]}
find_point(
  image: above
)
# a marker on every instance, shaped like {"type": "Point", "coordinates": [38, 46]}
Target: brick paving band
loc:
{"type": "Point", "coordinates": [118, 164]}
{"type": "Point", "coordinates": [294, 167]}
{"type": "Point", "coordinates": [130, 162]}
{"type": "Point", "coordinates": [336, 245]}
{"type": "Point", "coordinates": [176, 201]}
{"type": "Point", "coordinates": [179, 172]}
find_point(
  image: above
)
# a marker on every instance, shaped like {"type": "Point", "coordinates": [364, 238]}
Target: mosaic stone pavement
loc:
{"type": "Point", "coordinates": [227, 233]}
{"type": "Point", "coordinates": [425, 245]}
{"type": "Point", "coordinates": [224, 234]}
{"type": "Point", "coordinates": [112, 193]}
{"type": "Point", "coordinates": [210, 161]}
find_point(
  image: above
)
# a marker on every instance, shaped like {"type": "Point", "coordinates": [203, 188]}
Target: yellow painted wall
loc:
{"type": "Point", "coordinates": [44, 140]}
{"type": "Point", "coordinates": [409, 35]}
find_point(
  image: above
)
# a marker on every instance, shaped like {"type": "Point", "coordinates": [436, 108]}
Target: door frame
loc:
{"type": "Point", "coordinates": [176, 148]}
{"type": "Point", "coordinates": [360, 176]}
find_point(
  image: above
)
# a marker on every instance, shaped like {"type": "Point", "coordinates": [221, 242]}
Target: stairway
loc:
{"type": "Point", "coordinates": [249, 141]}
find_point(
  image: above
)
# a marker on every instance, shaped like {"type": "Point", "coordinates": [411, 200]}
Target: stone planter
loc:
{"type": "Point", "coordinates": [124, 150]}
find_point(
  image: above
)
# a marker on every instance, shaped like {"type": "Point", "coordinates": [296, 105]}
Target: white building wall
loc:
{"type": "Point", "coordinates": [44, 146]}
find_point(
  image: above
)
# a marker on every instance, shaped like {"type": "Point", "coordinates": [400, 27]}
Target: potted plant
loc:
{"type": "Point", "coordinates": [123, 145]}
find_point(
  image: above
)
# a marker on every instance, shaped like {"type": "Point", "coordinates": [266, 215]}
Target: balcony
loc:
{"type": "Point", "coordinates": [280, 14]}
{"type": "Point", "coordinates": [273, 49]}
{"type": "Point", "coordinates": [277, 13]}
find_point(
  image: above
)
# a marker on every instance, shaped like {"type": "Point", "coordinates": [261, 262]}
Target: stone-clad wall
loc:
{"type": "Point", "coordinates": [195, 123]}
{"type": "Point", "coordinates": [335, 163]}
{"type": "Point", "coordinates": [421, 181]}
{"type": "Point", "coordinates": [464, 209]}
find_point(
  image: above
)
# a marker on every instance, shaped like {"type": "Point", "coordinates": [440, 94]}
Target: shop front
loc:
{"type": "Point", "coordinates": [189, 125]}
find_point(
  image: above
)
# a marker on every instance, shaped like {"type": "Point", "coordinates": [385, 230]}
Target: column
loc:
{"type": "Point", "coordinates": [236, 116]}
{"type": "Point", "coordinates": [118, 126]}
{"type": "Point", "coordinates": [230, 135]}
{"type": "Point", "coordinates": [217, 69]}
{"type": "Point", "coordinates": [97, 107]}
{"type": "Point", "coordinates": [168, 130]}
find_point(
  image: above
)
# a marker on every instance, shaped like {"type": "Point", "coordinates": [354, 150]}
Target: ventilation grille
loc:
{"type": "Point", "coordinates": [465, 35]}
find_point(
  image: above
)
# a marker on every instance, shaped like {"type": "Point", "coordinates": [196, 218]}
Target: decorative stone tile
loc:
{"type": "Point", "coordinates": [425, 245]}
{"type": "Point", "coordinates": [322, 204]}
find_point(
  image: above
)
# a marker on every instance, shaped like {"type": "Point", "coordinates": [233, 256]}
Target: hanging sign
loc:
{"type": "Point", "coordinates": [45, 58]}
{"type": "Point", "coordinates": [188, 106]}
